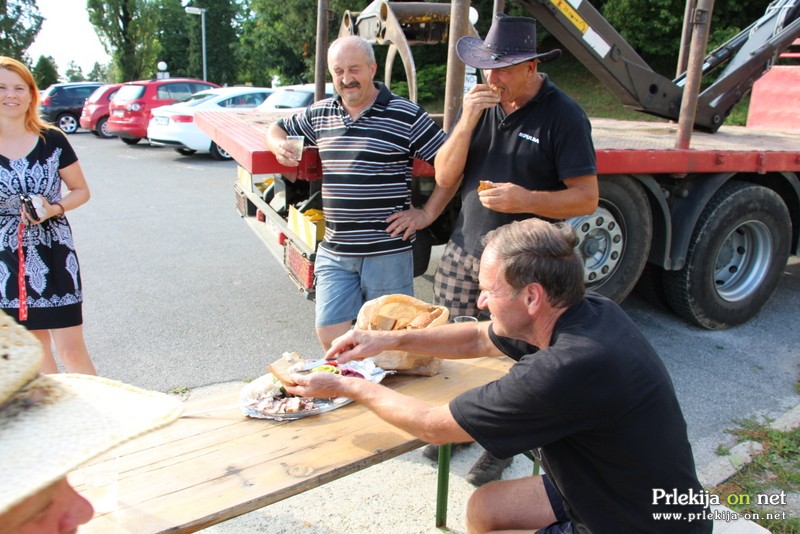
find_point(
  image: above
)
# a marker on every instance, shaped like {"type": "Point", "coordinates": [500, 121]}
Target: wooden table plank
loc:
{"type": "Point", "coordinates": [217, 465]}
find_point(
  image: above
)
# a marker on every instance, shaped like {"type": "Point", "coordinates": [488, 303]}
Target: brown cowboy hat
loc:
{"type": "Point", "coordinates": [510, 40]}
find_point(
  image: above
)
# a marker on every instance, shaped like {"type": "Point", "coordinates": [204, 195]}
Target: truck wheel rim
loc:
{"type": "Point", "coordinates": [601, 243]}
{"type": "Point", "coordinates": [743, 261]}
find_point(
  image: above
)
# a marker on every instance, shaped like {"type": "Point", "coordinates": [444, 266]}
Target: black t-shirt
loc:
{"type": "Point", "coordinates": [538, 146]}
{"type": "Point", "coordinates": [601, 405]}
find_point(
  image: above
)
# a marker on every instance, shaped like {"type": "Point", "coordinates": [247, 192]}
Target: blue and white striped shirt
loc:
{"type": "Point", "coordinates": [366, 167]}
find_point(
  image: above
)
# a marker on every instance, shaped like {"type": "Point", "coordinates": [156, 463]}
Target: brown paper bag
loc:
{"type": "Point", "coordinates": [398, 312]}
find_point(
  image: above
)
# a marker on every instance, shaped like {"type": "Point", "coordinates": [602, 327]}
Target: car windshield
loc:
{"type": "Point", "coordinates": [129, 92]}
{"type": "Point", "coordinates": [288, 98]}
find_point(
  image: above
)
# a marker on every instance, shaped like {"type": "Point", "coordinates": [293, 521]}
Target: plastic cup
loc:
{"type": "Point", "coordinates": [296, 145]}
{"type": "Point", "coordinates": [465, 319]}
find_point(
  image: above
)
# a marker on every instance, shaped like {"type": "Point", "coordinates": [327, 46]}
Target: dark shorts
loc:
{"type": "Point", "coordinates": [563, 525]}
{"type": "Point", "coordinates": [50, 318]}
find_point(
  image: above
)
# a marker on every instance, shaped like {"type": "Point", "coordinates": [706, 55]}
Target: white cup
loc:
{"type": "Point", "coordinates": [296, 144]}
{"type": "Point", "coordinates": [465, 319]}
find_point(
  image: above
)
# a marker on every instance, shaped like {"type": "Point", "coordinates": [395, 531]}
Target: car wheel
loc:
{"type": "Point", "coordinates": [130, 140]}
{"type": "Point", "coordinates": [219, 153]}
{"type": "Point", "coordinates": [101, 128]}
{"type": "Point", "coordinates": [68, 123]}
{"type": "Point", "coordinates": [183, 151]}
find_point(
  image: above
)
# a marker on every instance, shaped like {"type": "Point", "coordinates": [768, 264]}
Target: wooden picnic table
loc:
{"type": "Point", "coordinates": [214, 463]}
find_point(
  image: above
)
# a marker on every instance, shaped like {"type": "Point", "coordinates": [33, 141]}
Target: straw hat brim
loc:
{"type": "Point", "coordinates": [473, 52]}
{"type": "Point", "coordinates": [58, 422]}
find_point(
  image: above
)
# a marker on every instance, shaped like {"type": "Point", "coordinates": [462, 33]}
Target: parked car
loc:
{"type": "Point", "coordinates": [94, 116]}
{"type": "Point", "coordinates": [173, 125]}
{"type": "Point", "coordinates": [130, 108]}
{"type": "Point", "coordinates": [293, 97]}
{"type": "Point", "coordinates": [62, 103]}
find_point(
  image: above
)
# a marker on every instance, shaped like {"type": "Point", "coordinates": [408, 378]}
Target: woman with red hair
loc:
{"type": "Point", "coordinates": [40, 283]}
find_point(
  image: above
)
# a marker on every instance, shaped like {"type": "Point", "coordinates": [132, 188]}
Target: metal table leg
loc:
{"type": "Point", "coordinates": [443, 486]}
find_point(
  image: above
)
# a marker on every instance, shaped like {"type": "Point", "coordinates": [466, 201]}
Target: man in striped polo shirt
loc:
{"type": "Point", "coordinates": [367, 139]}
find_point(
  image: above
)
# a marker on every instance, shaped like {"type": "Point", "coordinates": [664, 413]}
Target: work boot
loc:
{"type": "Point", "coordinates": [486, 469]}
{"type": "Point", "coordinates": [431, 451]}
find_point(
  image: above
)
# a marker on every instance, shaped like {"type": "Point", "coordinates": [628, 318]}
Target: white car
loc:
{"type": "Point", "coordinates": [293, 97]}
{"type": "Point", "coordinates": [174, 126]}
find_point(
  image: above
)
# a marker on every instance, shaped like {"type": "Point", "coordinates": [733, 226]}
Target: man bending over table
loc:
{"type": "Point", "coordinates": [588, 390]}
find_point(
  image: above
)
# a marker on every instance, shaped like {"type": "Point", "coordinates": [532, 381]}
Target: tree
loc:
{"type": "Point", "coordinates": [127, 30]}
{"type": "Point", "coordinates": [280, 39]}
{"type": "Point", "coordinates": [99, 73]}
{"type": "Point", "coordinates": [173, 35]}
{"type": "Point", "coordinates": [20, 21]}
{"type": "Point", "coordinates": [74, 73]}
{"type": "Point", "coordinates": [221, 40]}
{"type": "Point", "coordinates": [653, 27]}
{"type": "Point", "coordinates": [45, 72]}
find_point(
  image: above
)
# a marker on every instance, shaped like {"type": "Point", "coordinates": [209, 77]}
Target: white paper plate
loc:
{"type": "Point", "coordinates": [251, 394]}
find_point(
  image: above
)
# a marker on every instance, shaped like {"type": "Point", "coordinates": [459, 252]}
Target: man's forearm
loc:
{"type": "Point", "coordinates": [438, 200]}
{"type": "Point", "coordinates": [452, 156]}
{"type": "Point", "coordinates": [452, 341]}
{"type": "Point", "coordinates": [433, 424]}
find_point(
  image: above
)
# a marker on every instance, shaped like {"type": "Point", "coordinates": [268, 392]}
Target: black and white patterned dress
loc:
{"type": "Point", "coordinates": [52, 274]}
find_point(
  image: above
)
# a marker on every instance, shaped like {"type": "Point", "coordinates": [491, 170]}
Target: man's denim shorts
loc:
{"type": "Point", "coordinates": [345, 283]}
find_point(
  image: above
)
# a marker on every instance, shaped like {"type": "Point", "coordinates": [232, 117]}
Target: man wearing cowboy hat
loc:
{"type": "Point", "coordinates": [51, 424]}
{"type": "Point", "coordinates": [532, 143]}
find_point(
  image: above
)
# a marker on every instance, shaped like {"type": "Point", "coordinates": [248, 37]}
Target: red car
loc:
{"type": "Point", "coordinates": [95, 111]}
{"type": "Point", "coordinates": [130, 107]}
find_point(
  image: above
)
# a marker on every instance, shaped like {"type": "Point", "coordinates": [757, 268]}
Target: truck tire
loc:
{"type": "Point", "coordinates": [737, 253]}
{"type": "Point", "coordinates": [615, 239]}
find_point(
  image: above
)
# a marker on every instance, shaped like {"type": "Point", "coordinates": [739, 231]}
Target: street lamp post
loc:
{"type": "Point", "coordinates": [202, 12]}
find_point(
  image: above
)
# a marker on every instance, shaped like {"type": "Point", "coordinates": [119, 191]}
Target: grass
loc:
{"type": "Point", "coordinates": [775, 470]}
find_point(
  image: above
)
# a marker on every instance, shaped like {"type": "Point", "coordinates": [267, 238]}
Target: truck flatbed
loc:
{"type": "Point", "coordinates": [627, 147]}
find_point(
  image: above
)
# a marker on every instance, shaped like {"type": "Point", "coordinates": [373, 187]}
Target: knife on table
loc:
{"type": "Point", "coordinates": [316, 363]}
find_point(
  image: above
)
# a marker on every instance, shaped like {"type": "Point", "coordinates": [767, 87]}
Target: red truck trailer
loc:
{"type": "Point", "coordinates": [705, 220]}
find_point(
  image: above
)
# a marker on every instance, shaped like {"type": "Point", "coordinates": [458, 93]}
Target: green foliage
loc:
{"type": "Point", "coordinates": [127, 29]}
{"type": "Point", "coordinates": [74, 73]}
{"type": "Point", "coordinates": [430, 85]}
{"type": "Point", "coordinates": [174, 26]}
{"type": "Point", "coordinates": [280, 39]}
{"type": "Point", "coordinates": [653, 27]}
{"type": "Point", "coordinates": [20, 21]}
{"type": "Point", "coordinates": [99, 73]}
{"type": "Point", "coordinates": [45, 72]}
{"type": "Point", "coordinates": [221, 39]}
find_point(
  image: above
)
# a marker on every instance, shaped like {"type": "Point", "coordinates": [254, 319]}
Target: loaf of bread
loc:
{"type": "Point", "coordinates": [285, 366]}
